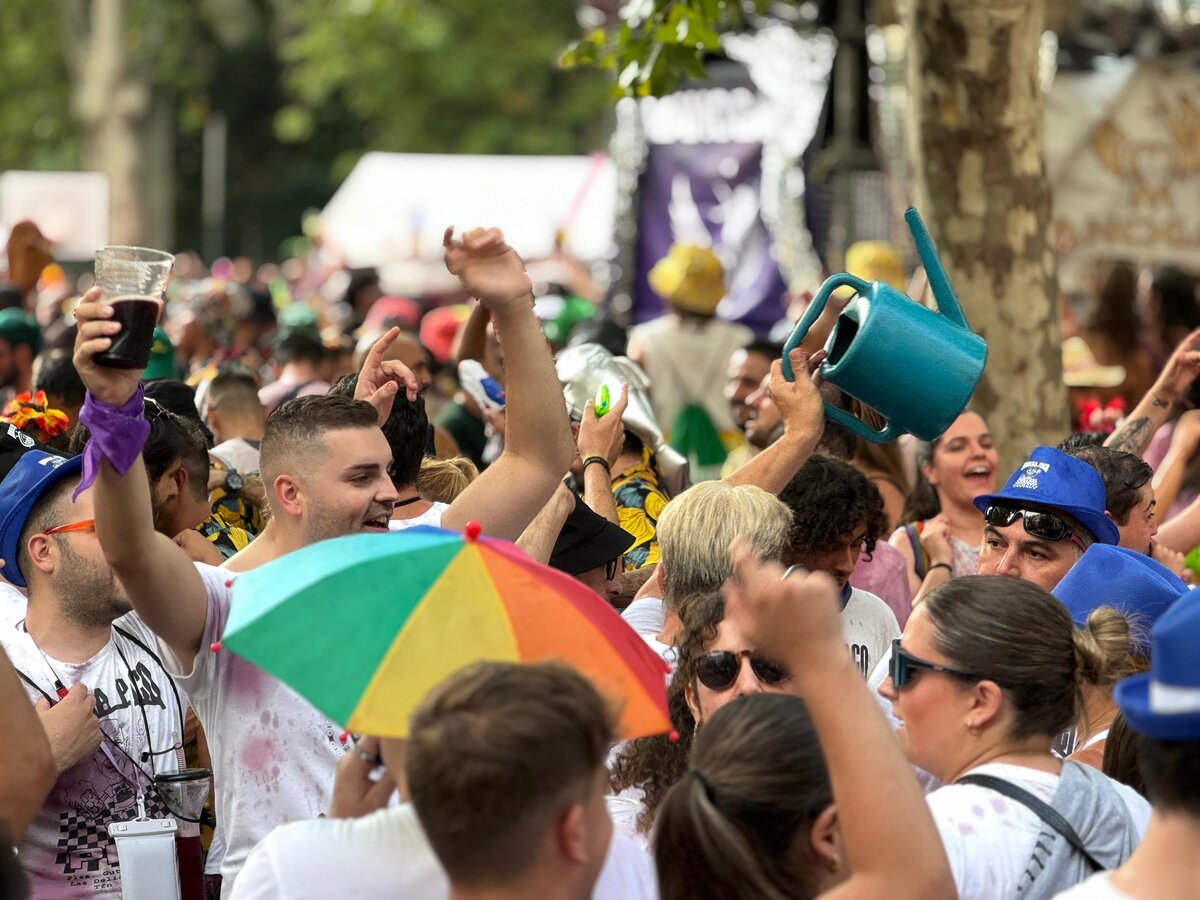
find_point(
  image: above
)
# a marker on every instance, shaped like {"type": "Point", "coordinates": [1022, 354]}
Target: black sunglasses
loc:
{"type": "Point", "coordinates": [1039, 524]}
{"type": "Point", "coordinates": [903, 665]}
{"type": "Point", "coordinates": [719, 669]}
{"type": "Point", "coordinates": [613, 567]}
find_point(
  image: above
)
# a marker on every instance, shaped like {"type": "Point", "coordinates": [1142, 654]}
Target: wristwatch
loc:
{"type": "Point", "coordinates": [234, 482]}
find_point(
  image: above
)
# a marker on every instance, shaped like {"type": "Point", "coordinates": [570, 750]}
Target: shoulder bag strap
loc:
{"type": "Point", "coordinates": [1044, 811]}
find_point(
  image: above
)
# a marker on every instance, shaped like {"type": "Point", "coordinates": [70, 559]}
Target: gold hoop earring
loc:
{"type": "Point", "coordinates": [835, 864]}
{"type": "Point", "coordinates": [974, 730]}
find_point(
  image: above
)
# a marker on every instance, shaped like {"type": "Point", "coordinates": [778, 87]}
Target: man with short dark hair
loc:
{"type": "Point", "coordinates": [505, 766]}
{"type": "Point", "coordinates": [407, 432]}
{"type": "Point", "coordinates": [1129, 495]}
{"type": "Point", "coordinates": [1049, 512]}
{"type": "Point", "coordinates": [299, 355]}
{"type": "Point", "coordinates": [325, 464]}
{"type": "Point", "coordinates": [236, 418]}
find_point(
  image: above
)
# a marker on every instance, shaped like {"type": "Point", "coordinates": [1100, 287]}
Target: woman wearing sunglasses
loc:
{"type": "Point", "coordinates": [984, 679]}
{"type": "Point", "coordinates": [715, 665]}
{"type": "Point", "coordinates": [944, 529]}
{"type": "Point", "coordinates": [755, 815]}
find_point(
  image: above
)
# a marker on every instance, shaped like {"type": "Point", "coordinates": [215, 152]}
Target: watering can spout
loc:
{"type": "Point", "coordinates": [943, 292]}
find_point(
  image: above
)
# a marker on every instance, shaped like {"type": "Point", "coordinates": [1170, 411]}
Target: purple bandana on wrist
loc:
{"type": "Point", "coordinates": [118, 434]}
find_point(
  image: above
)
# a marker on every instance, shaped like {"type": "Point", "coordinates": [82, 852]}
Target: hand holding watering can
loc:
{"type": "Point", "coordinates": [916, 367]}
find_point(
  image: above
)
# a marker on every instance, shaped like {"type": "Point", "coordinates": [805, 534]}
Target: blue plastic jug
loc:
{"type": "Point", "coordinates": [915, 367]}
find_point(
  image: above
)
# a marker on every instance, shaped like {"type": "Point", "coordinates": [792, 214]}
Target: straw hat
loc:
{"type": "Point", "coordinates": [690, 278]}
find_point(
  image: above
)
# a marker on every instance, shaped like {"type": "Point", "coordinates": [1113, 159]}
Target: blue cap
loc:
{"type": "Point", "coordinates": [1129, 581]}
{"type": "Point", "coordinates": [1051, 479]}
{"type": "Point", "coordinates": [1164, 703]}
{"type": "Point", "coordinates": [31, 477]}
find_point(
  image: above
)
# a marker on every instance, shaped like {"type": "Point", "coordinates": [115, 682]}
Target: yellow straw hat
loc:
{"type": "Point", "coordinates": [690, 278]}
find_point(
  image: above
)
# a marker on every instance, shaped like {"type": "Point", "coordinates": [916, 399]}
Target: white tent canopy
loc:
{"type": "Point", "coordinates": [396, 205]}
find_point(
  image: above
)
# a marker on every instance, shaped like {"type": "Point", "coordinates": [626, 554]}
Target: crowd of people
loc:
{"type": "Point", "coordinates": [891, 672]}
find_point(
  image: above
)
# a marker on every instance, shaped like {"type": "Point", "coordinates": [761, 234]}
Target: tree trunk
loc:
{"type": "Point", "coordinates": [112, 102]}
{"type": "Point", "coordinates": [980, 182]}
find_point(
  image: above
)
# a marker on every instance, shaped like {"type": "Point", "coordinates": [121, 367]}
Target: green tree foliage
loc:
{"type": "Point", "coordinates": [36, 128]}
{"type": "Point", "coordinates": [656, 43]}
{"type": "Point", "coordinates": [441, 75]}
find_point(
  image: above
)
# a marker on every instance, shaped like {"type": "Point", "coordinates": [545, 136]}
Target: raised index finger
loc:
{"type": "Point", "coordinates": [374, 359]}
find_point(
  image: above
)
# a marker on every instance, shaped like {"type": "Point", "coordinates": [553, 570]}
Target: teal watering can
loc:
{"type": "Point", "coordinates": [915, 367]}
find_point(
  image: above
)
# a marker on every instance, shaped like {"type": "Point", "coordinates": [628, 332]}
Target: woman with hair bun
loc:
{"type": "Point", "coordinates": [985, 677]}
{"type": "Point", "coordinates": [1113, 595]}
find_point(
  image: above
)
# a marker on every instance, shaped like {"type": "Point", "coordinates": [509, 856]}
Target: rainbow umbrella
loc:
{"type": "Point", "coordinates": [363, 626]}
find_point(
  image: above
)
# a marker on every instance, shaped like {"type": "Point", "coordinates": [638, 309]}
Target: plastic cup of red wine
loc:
{"type": "Point", "coordinates": [133, 280]}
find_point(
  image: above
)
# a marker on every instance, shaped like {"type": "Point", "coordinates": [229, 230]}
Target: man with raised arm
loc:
{"type": "Point", "coordinates": [325, 463]}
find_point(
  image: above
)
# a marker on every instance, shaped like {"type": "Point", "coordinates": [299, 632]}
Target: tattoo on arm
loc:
{"type": "Point", "coordinates": [1132, 437]}
{"type": "Point", "coordinates": [1161, 404]}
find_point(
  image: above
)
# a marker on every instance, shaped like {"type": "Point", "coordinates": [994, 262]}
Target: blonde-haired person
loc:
{"type": "Point", "coordinates": [1114, 596]}
{"type": "Point", "coordinates": [442, 480]}
{"type": "Point", "coordinates": [694, 533]}
{"type": "Point", "coordinates": [984, 679]}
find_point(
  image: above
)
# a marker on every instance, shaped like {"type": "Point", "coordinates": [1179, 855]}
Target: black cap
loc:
{"type": "Point", "coordinates": [588, 541]}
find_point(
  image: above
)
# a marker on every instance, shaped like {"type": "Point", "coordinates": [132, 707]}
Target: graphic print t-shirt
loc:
{"type": "Point", "coordinates": [67, 852]}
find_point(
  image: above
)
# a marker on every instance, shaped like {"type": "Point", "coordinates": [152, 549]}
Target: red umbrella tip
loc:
{"type": "Point", "coordinates": [344, 736]}
{"type": "Point", "coordinates": [673, 736]}
{"type": "Point", "coordinates": [215, 646]}
{"type": "Point", "coordinates": [472, 531]}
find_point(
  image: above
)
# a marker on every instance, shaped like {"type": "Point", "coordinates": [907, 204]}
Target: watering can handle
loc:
{"type": "Point", "coordinates": [943, 292]}
{"type": "Point", "coordinates": [860, 428]}
{"type": "Point", "coordinates": [815, 308]}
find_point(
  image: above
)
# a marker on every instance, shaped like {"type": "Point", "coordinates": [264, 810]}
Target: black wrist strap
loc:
{"type": "Point", "coordinates": [949, 568]}
{"type": "Point", "coordinates": [1044, 811]}
{"type": "Point", "coordinates": [599, 460]}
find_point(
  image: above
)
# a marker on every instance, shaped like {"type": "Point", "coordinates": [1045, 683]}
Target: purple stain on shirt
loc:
{"type": "Point", "coordinates": [118, 434]}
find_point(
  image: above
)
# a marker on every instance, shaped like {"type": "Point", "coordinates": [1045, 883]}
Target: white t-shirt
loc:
{"type": "Point", "coordinates": [66, 851]}
{"type": "Point", "coordinates": [238, 455]}
{"type": "Point", "coordinates": [385, 854]}
{"type": "Point", "coordinates": [989, 838]}
{"type": "Point", "coordinates": [1098, 887]}
{"type": "Point", "coordinates": [686, 362]}
{"type": "Point", "coordinates": [431, 516]}
{"type": "Point", "coordinates": [868, 626]}
{"type": "Point", "coordinates": [12, 604]}
{"type": "Point", "coordinates": [273, 753]}
{"type": "Point", "coordinates": [645, 616]}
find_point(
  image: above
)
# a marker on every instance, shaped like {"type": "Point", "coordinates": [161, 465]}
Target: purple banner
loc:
{"type": "Point", "coordinates": [709, 194]}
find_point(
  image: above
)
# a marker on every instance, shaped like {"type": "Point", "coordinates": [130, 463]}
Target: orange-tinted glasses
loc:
{"type": "Point", "coordinates": [82, 525]}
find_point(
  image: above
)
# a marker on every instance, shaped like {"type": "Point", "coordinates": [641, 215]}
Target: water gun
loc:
{"type": "Point", "coordinates": [480, 386]}
{"type": "Point", "coordinates": [603, 400]}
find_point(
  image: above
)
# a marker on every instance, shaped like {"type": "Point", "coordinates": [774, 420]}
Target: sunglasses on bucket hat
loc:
{"type": "Point", "coordinates": [1040, 524]}
{"type": "Point", "coordinates": [718, 670]}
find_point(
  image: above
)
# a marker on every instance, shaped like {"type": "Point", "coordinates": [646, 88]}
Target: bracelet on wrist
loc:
{"type": "Point", "coordinates": [940, 565]}
{"type": "Point", "coordinates": [598, 460]}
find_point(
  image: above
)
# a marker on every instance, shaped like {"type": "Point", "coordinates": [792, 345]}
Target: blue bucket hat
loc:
{"type": "Point", "coordinates": [1051, 479]}
{"type": "Point", "coordinates": [1129, 581]}
{"type": "Point", "coordinates": [1164, 703]}
{"type": "Point", "coordinates": [34, 473]}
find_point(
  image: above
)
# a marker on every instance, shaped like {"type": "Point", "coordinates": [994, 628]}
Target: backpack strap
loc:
{"type": "Point", "coordinates": [1043, 811]}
